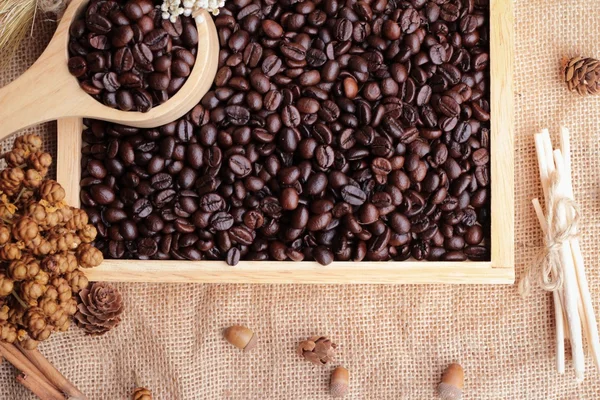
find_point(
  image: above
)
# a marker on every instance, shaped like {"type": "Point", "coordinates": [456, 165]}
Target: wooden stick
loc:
{"type": "Point", "coordinates": [52, 374]}
{"type": "Point", "coordinates": [570, 282]}
{"type": "Point", "coordinates": [35, 385]}
{"type": "Point", "coordinates": [589, 317]}
{"type": "Point", "coordinates": [20, 362]}
{"type": "Point", "coordinates": [558, 308]}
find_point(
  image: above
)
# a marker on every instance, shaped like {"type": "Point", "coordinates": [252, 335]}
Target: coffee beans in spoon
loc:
{"type": "Point", "coordinates": [344, 131]}
{"type": "Point", "coordinates": [127, 56]}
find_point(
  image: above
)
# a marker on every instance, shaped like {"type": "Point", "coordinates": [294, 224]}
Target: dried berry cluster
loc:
{"type": "Point", "coordinates": [43, 245]}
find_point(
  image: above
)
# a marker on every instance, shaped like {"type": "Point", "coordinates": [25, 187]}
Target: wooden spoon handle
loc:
{"type": "Point", "coordinates": [34, 97]}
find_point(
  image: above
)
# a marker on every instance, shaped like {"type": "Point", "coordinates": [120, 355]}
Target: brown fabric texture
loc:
{"type": "Point", "coordinates": [395, 340]}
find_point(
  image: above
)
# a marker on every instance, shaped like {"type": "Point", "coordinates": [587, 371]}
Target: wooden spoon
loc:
{"type": "Point", "coordinates": [47, 91]}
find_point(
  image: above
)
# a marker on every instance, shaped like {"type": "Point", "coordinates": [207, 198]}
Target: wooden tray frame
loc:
{"type": "Point", "coordinates": [500, 270]}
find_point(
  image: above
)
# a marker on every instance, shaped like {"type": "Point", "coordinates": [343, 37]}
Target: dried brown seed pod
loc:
{"type": "Point", "coordinates": [317, 349]}
{"type": "Point", "coordinates": [35, 321]}
{"type": "Point", "coordinates": [40, 161]}
{"type": "Point", "coordinates": [340, 380]}
{"type": "Point", "coordinates": [28, 143]}
{"type": "Point", "coordinates": [4, 234]}
{"type": "Point", "coordinates": [141, 394]}
{"type": "Point", "coordinates": [88, 256]}
{"type": "Point", "coordinates": [241, 337]}
{"type": "Point", "coordinates": [16, 157]}
{"type": "Point", "coordinates": [25, 229]}
{"type": "Point", "coordinates": [452, 383]}
{"type": "Point", "coordinates": [88, 233]}
{"type": "Point", "coordinates": [33, 179]}
{"type": "Point", "coordinates": [6, 285]}
{"type": "Point", "coordinates": [25, 268]}
{"type": "Point", "coordinates": [8, 332]}
{"type": "Point", "coordinates": [52, 191]}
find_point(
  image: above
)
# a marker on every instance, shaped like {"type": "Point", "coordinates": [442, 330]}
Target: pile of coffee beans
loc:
{"type": "Point", "coordinates": [127, 56]}
{"type": "Point", "coordinates": [335, 130]}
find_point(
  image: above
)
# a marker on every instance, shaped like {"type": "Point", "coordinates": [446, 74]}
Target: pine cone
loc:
{"type": "Point", "coordinates": [24, 269]}
{"type": "Point", "coordinates": [29, 143]}
{"type": "Point", "coordinates": [99, 309]}
{"type": "Point", "coordinates": [51, 191]}
{"type": "Point", "coordinates": [583, 75]}
{"type": "Point", "coordinates": [37, 326]}
{"type": "Point", "coordinates": [6, 285]}
{"type": "Point", "coordinates": [141, 394]}
{"type": "Point", "coordinates": [317, 349]}
{"type": "Point", "coordinates": [89, 256]}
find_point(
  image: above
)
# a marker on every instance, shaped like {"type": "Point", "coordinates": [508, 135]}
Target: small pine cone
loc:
{"type": "Point", "coordinates": [30, 142]}
{"type": "Point", "coordinates": [317, 349]}
{"type": "Point", "coordinates": [583, 75]}
{"type": "Point", "coordinates": [77, 280]}
{"type": "Point", "coordinates": [31, 291]}
{"type": "Point", "coordinates": [51, 191]}
{"type": "Point", "coordinates": [4, 234]}
{"type": "Point", "coordinates": [25, 229]}
{"type": "Point", "coordinates": [88, 256]}
{"type": "Point", "coordinates": [6, 285]}
{"type": "Point", "coordinates": [141, 394]}
{"type": "Point", "coordinates": [99, 309]}
{"type": "Point", "coordinates": [10, 252]}
{"type": "Point", "coordinates": [63, 288]}
{"type": "Point", "coordinates": [56, 264]}
{"type": "Point", "coordinates": [37, 326]}
{"type": "Point", "coordinates": [8, 332]}
{"type": "Point", "coordinates": [24, 269]}
{"type": "Point", "coordinates": [88, 233]}
{"type": "Point", "coordinates": [78, 221]}
{"type": "Point", "coordinates": [33, 179]}
{"type": "Point", "coordinates": [70, 306]}
{"type": "Point", "coordinates": [16, 157]}
{"type": "Point", "coordinates": [40, 161]}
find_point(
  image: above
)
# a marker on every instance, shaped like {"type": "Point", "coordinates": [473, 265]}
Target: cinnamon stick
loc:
{"type": "Point", "coordinates": [52, 374]}
{"type": "Point", "coordinates": [44, 392]}
{"type": "Point", "coordinates": [20, 362]}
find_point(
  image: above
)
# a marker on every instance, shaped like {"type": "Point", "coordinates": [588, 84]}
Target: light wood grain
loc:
{"type": "Point", "coordinates": [300, 272]}
{"type": "Point", "coordinates": [502, 133]}
{"type": "Point", "coordinates": [47, 91]}
{"type": "Point", "coordinates": [499, 271]}
{"type": "Point", "coordinates": [68, 158]}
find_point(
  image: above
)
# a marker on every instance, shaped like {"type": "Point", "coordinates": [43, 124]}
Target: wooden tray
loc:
{"type": "Point", "coordinates": [499, 270]}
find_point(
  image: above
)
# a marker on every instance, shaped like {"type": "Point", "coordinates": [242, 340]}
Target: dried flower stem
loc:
{"type": "Point", "coordinates": [21, 302]}
{"type": "Point", "coordinates": [52, 374]}
{"type": "Point", "coordinates": [16, 18]}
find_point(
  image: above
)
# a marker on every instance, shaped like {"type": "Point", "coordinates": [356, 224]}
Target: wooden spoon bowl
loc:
{"type": "Point", "coordinates": [47, 91]}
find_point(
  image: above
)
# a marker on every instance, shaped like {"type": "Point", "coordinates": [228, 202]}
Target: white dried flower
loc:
{"type": "Point", "coordinates": [171, 9]}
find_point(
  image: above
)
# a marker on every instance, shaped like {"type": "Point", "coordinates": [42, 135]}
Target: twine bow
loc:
{"type": "Point", "coordinates": [562, 220]}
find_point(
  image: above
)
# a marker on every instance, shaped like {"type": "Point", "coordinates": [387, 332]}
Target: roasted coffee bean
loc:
{"type": "Point", "coordinates": [333, 131]}
{"type": "Point", "coordinates": [131, 46]}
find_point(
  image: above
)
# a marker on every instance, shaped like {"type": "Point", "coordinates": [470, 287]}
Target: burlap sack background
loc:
{"type": "Point", "coordinates": [395, 340]}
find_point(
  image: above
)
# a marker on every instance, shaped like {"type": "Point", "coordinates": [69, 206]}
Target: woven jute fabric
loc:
{"type": "Point", "coordinates": [395, 340]}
